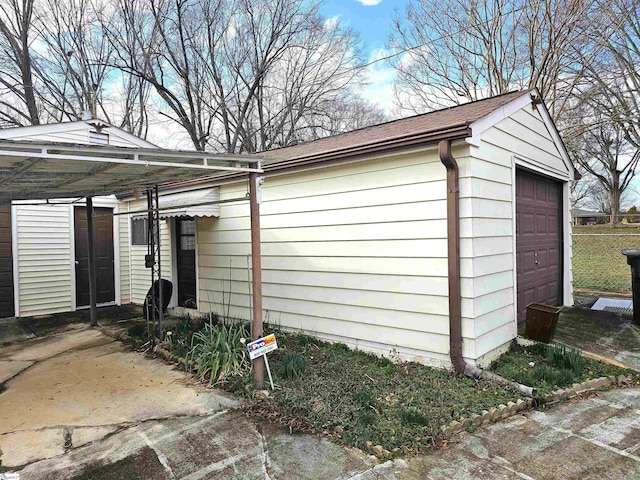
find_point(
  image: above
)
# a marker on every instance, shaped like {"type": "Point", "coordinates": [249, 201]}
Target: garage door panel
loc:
{"type": "Point", "coordinates": [538, 240]}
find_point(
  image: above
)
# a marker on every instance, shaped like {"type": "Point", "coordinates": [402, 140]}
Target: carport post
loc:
{"type": "Point", "coordinates": [92, 263]}
{"type": "Point", "coordinates": [256, 267]}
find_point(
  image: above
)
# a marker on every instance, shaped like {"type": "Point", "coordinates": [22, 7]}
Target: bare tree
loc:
{"type": "Point", "coordinates": [608, 157]}
{"type": "Point", "coordinates": [237, 75]}
{"type": "Point", "coordinates": [18, 96]}
{"type": "Point", "coordinates": [457, 51]}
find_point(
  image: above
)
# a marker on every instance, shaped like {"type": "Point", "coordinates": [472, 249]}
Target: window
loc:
{"type": "Point", "coordinates": [187, 232]}
{"type": "Point", "coordinates": [139, 229]}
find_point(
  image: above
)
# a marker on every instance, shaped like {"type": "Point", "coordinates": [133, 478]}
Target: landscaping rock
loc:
{"type": "Point", "coordinates": [455, 427]}
{"type": "Point", "coordinates": [261, 394]}
{"type": "Point", "coordinates": [339, 430]}
{"type": "Point", "coordinates": [486, 416]}
{"type": "Point", "coordinates": [503, 410]}
{"type": "Point", "coordinates": [521, 405]}
{"type": "Point", "coordinates": [476, 419]}
{"type": "Point", "coordinates": [494, 413]}
{"type": "Point", "coordinates": [378, 451]}
{"type": "Point", "coordinates": [466, 423]}
{"type": "Point", "coordinates": [513, 408]}
{"type": "Point", "coordinates": [368, 444]}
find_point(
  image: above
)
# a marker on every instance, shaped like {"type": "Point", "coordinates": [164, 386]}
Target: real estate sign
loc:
{"type": "Point", "coordinates": [261, 346]}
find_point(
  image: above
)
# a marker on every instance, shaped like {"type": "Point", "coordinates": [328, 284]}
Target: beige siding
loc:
{"type": "Point", "coordinates": [490, 211]}
{"type": "Point", "coordinates": [44, 259]}
{"type": "Point", "coordinates": [140, 279]}
{"type": "Point", "coordinates": [354, 253]}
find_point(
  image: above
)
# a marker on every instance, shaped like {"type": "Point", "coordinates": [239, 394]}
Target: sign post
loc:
{"type": "Point", "coordinates": [260, 348]}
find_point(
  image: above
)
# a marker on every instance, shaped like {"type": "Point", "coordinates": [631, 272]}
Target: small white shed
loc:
{"type": "Point", "coordinates": [44, 261]}
{"type": "Point", "coordinates": [360, 233]}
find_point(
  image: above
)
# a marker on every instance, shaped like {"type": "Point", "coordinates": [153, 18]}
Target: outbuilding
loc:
{"type": "Point", "coordinates": [423, 238]}
{"type": "Point", "coordinates": [413, 238]}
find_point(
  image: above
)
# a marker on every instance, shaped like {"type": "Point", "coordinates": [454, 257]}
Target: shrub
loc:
{"type": "Point", "coordinates": [138, 330]}
{"type": "Point", "coordinates": [218, 352]}
{"type": "Point", "coordinates": [413, 416]}
{"type": "Point", "coordinates": [293, 365]}
{"type": "Point", "coordinates": [560, 356]}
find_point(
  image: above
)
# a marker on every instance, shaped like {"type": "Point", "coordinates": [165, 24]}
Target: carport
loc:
{"type": "Point", "coordinates": [49, 171]}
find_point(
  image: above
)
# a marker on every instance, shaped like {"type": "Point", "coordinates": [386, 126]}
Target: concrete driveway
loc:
{"type": "Point", "coordinates": [80, 406]}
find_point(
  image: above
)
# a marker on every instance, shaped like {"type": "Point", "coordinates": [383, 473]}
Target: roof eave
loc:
{"type": "Point", "coordinates": [457, 132]}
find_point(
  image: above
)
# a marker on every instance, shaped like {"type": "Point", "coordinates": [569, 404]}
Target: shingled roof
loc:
{"type": "Point", "coordinates": [449, 123]}
{"type": "Point", "coordinates": [453, 123]}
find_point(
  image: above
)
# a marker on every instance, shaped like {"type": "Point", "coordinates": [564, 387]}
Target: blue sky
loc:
{"type": "Point", "coordinates": [373, 20]}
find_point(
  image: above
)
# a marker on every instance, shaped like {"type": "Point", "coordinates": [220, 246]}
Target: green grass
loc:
{"type": "Point", "coordinates": [394, 405]}
{"type": "Point", "coordinates": [533, 366]}
{"type": "Point", "coordinates": [597, 261]}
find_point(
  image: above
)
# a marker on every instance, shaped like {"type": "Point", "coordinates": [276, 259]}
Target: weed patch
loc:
{"type": "Point", "coordinates": [370, 398]}
{"type": "Point", "coordinates": [550, 367]}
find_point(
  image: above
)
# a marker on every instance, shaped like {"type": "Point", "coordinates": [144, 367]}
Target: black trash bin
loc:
{"type": "Point", "coordinates": [541, 322]}
{"type": "Point", "coordinates": [633, 259]}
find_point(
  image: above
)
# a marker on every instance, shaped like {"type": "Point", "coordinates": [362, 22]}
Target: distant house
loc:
{"type": "Point", "coordinates": [588, 217]}
{"type": "Point", "coordinates": [359, 233]}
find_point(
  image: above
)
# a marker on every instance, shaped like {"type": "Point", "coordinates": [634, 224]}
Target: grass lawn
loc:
{"type": "Point", "coordinates": [597, 261]}
{"type": "Point", "coordinates": [372, 399]}
{"type": "Point", "coordinates": [533, 366]}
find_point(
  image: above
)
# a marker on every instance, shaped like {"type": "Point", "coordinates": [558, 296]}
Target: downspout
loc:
{"type": "Point", "coordinates": [455, 297]}
{"type": "Point", "coordinates": [453, 255]}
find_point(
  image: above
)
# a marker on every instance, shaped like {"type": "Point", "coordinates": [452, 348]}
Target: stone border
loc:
{"type": "Point", "coordinates": [505, 411]}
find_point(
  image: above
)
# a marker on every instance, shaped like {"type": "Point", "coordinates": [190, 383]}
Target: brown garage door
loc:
{"type": "Point", "coordinates": [6, 263]}
{"type": "Point", "coordinates": [538, 240]}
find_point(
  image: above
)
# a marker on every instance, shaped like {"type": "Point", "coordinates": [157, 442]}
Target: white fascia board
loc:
{"type": "Point", "coordinates": [60, 127]}
{"type": "Point", "coordinates": [485, 123]}
{"type": "Point", "coordinates": [8, 133]}
{"type": "Point", "coordinates": [543, 169]}
{"type": "Point", "coordinates": [557, 139]}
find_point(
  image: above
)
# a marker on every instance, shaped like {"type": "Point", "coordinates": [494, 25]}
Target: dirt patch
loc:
{"type": "Point", "coordinates": [144, 464]}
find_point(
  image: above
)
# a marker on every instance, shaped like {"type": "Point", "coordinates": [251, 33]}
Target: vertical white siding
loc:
{"type": "Point", "coordinates": [492, 226]}
{"type": "Point", "coordinates": [355, 253]}
{"type": "Point", "coordinates": [44, 259]}
{"type": "Point", "coordinates": [125, 256]}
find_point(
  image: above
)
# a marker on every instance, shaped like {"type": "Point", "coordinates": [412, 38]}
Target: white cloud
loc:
{"type": "Point", "coordinates": [369, 3]}
{"type": "Point", "coordinates": [380, 77]}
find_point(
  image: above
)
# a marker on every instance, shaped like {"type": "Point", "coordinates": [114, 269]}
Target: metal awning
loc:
{"type": "Point", "coordinates": [198, 203]}
{"type": "Point", "coordinates": [45, 170]}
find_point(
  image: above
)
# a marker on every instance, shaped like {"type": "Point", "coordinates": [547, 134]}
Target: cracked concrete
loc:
{"type": "Point", "coordinates": [125, 416]}
{"type": "Point", "coordinates": [82, 406]}
{"type": "Point", "coordinates": [87, 382]}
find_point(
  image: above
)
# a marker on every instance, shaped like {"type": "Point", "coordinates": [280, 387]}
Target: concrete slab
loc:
{"type": "Point", "coordinates": [77, 338]}
{"type": "Point", "coordinates": [10, 368]}
{"type": "Point", "coordinates": [219, 446]}
{"type": "Point", "coordinates": [90, 380]}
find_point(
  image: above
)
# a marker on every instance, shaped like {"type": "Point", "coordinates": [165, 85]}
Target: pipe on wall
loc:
{"type": "Point", "coordinates": [453, 255]}
{"type": "Point", "coordinates": [455, 295]}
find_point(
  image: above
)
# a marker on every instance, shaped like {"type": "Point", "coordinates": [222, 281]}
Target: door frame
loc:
{"type": "Point", "coordinates": [174, 267]}
{"type": "Point", "coordinates": [565, 256]}
{"type": "Point", "coordinates": [105, 203]}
